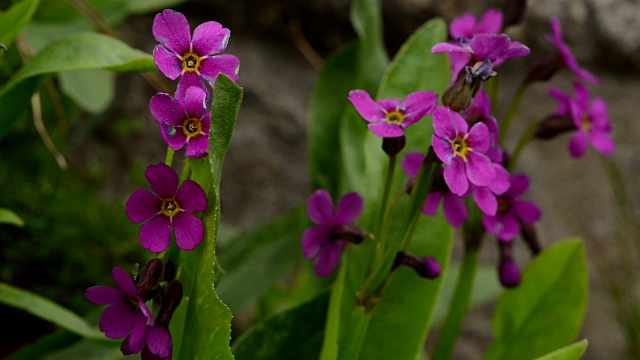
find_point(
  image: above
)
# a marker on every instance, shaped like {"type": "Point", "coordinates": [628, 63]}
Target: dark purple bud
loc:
{"type": "Point", "coordinates": [513, 11]}
{"type": "Point", "coordinates": [394, 145]}
{"type": "Point", "coordinates": [530, 237]}
{"type": "Point", "coordinates": [170, 302]}
{"type": "Point", "coordinates": [508, 271]}
{"type": "Point", "coordinates": [544, 69]}
{"type": "Point", "coordinates": [148, 283]}
{"type": "Point", "coordinates": [426, 267]}
{"type": "Point", "coordinates": [554, 125]}
{"type": "Point", "coordinates": [349, 233]}
{"type": "Point", "coordinates": [169, 271]}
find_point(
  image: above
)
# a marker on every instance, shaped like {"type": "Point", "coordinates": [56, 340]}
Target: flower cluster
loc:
{"type": "Point", "coordinates": [184, 120]}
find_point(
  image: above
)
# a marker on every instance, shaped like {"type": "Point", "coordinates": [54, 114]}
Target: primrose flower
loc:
{"type": "Point", "coordinates": [461, 150]}
{"type": "Point", "coordinates": [127, 315]}
{"type": "Point", "coordinates": [480, 111]}
{"type": "Point", "coordinates": [179, 54]}
{"type": "Point", "coordinates": [592, 122]}
{"type": "Point", "coordinates": [455, 211]}
{"type": "Point", "coordinates": [485, 196]}
{"type": "Point", "coordinates": [184, 121]}
{"type": "Point", "coordinates": [334, 230]}
{"type": "Point", "coordinates": [387, 118]}
{"type": "Point", "coordinates": [168, 209]}
{"type": "Point", "coordinates": [566, 55]}
{"type": "Point", "coordinates": [512, 211]}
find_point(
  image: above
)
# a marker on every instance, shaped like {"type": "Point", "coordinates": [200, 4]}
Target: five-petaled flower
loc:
{"type": "Point", "coordinates": [127, 315]}
{"type": "Point", "coordinates": [461, 150]}
{"type": "Point", "coordinates": [169, 208]}
{"type": "Point", "coordinates": [512, 211]}
{"type": "Point", "coordinates": [566, 55]}
{"type": "Point", "coordinates": [334, 230]}
{"type": "Point", "coordinates": [387, 118]}
{"type": "Point", "coordinates": [180, 54]}
{"type": "Point", "coordinates": [184, 121]}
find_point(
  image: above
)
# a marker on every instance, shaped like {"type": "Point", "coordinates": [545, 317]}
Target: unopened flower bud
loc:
{"type": "Point", "coordinates": [394, 145]}
{"type": "Point", "coordinates": [426, 267]}
{"type": "Point", "coordinates": [544, 69]}
{"type": "Point", "coordinates": [554, 125]}
{"type": "Point", "coordinates": [170, 302]}
{"type": "Point", "coordinates": [514, 11]}
{"type": "Point", "coordinates": [350, 233]}
{"type": "Point", "coordinates": [458, 96]}
{"type": "Point", "coordinates": [529, 234]}
{"type": "Point", "coordinates": [509, 274]}
{"type": "Point", "coordinates": [148, 284]}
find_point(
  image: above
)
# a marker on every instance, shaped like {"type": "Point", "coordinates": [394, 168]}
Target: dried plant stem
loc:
{"type": "Point", "coordinates": [36, 107]}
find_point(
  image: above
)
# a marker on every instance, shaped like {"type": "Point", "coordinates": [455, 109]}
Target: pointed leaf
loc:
{"type": "Point", "coordinates": [15, 18]}
{"type": "Point", "coordinates": [571, 352]}
{"type": "Point", "coordinates": [9, 217]}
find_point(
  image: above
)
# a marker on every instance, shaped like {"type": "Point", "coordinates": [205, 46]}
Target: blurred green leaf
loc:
{"type": "Point", "coordinates": [571, 352]}
{"type": "Point", "coordinates": [15, 18]}
{"type": "Point", "coordinates": [45, 345]}
{"type": "Point", "coordinates": [145, 6]}
{"type": "Point", "coordinates": [545, 311]}
{"type": "Point", "coordinates": [208, 320]}
{"type": "Point", "coordinates": [294, 334]}
{"type": "Point", "coordinates": [86, 349]}
{"type": "Point", "coordinates": [9, 217]}
{"type": "Point", "coordinates": [113, 12]}
{"type": "Point", "coordinates": [80, 85]}
{"type": "Point", "coordinates": [48, 310]}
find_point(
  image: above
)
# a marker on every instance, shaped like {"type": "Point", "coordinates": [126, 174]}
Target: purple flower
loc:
{"type": "Point", "coordinates": [455, 211]}
{"type": "Point", "coordinates": [168, 209]}
{"type": "Point", "coordinates": [480, 111]}
{"type": "Point", "coordinates": [184, 121]}
{"type": "Point", "coordinates": [592, 122]}
{"type": "Point", "coordinates": [334, 229]}
{"type": "Point", "coordinates": [180, 54]}
{"type": "Point", "coordinates": [512, 211]}
{"type": "Point", "coordinates": [388, 117]}
{"type": "Point", "coordinates": [565, 53]}
{"type": "Point", "coordinates": [485, 196]}
{"type": "Point", "coordinates": [461, 150]}
{"type": "Point", "coordinates": [156, 343]}
{"type": "Point", "coordinates": [127, 314]}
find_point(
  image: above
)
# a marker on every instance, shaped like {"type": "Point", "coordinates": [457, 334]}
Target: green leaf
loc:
{"type": "Point", "coordinates": [545, 312]}
{"type": "Point", "coordinates": [145, 6]}
{"type": "Point", "coordinates": [48, 310]}
{"type": "Point", "coordinates": [86, 349]}
{"type": "Point", "coordinates": [258, 259]}
{"type": "Point", "coordinates": [80, 85]}
{"type": "Point", "coordinates": [78, 52]}
{"type": "Point", "coordinates": [45, 345]}
{"type": "Point", "coordinates": [9, 217]}
{"type": "Point", "coordinates": [571, 352]}
{"type": "Point", "coordinates": [207, 328]}
{"type": "Point", "coordinates": [15, 18]}
{"type": "Point", "coordinates": [294, 334]}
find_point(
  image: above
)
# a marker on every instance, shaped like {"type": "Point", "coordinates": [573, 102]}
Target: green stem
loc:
{"type": "Point", "coordinates": [169, 157]}
{"type": "Point", "coordinates": [458, 306]}
{"type": "Point", "coordinates": [382, 219]}
{"type": "Point", "coordinates": [492, 90]}
{"type": "Point", "coordinates": [511, 111]}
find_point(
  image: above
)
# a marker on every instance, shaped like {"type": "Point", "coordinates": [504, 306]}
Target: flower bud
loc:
{"type": "Point", "coordinates": [529, 234]}
{"type": "Point", "coordinates": [426, 267]}
{"type": "Point", "coordinates": [544, 69]}
{"type": "Point", "coordinates": [513, 11]}
{"type": "Point", "coordinates": [170, 302]}
{"type": "Point", "coordinates": [554, 125]}
{"type": "Point", "coordinates": [394, 145]}
{"type": "Point", "coordinates": [148, 283]}
{"type": "Point", "coordinates": [509, 274]}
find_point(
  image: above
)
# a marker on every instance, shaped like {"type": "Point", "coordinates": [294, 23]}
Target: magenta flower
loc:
{"type": "Point", "coordinates": [512, 211]}
{"type": "Point", "coordinates": [455, 211]}
{"type": "Point", "coordinates": [565, 53]}
{"type": "Point", "coordinates": [127, 314]}
{"type": "Point", "coordinates": [485, 196]}
{"type": "Point", "coordinates": [480, 111]}
{"type": "Point", "coordinates": [180, 54]}
{"type": "Point", "coordinates": [326, 241]}
{"type": "Point", "coordinates": [168, 209]}
{"type": "Point", "coordinates": [184, 121]}
{"type": "Point", "coordinates": [592, 122]}
{"type": "Point", "coordinates": [461, 150]}
{"type": "Point", "coordinates": [387, 118]}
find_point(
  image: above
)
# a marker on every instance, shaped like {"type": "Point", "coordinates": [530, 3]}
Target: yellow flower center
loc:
{"type": "Point", "coordinates": [460, 147]}
{"type": "Point", "coordinates": [192, 127]}
{"type": "Point", "coordinates": [395, 117]}
{"type": "Point", "coordinates": [169, 208]}
{"type": "Point", "coordinates": [190, 62]}
{"type": "Point", "coordinates": [586, 124]}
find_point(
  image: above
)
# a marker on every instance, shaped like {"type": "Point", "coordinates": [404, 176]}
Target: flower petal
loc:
{"type": "Point", "coordinates": [519, 185]}
{"type": "Point", "coordinates": [328, 259]}
{"type": "Point", "coordinates": [411, 163]}
{"type": "Point", "coordinates": [509, 228]}
{"type": "Point", "coordinates": [417, 105]}
{"type": "Point", "coordinates": [491, 22]}
{"type": "Point", "coordinates": [188, 80]}
{"type": "Point", "coordinates": [162, 179]}
{"type": "Point", "coordinates": [188, 229]}
{"type": "Point", "coordinates": [155, 234]}
{"type": "Point", "coordinates": [105, 295]}
{"type": "Point", "coordinates": [443, 149]}
{"type": "Point", "coordinates": [210, 38]}
{"type": "Point", "coordinates": [195, 102]}
{"type": "Point", "coordinates": [191, 197]}
{"type": "Point", "coordinates": [320, 208]}
{"type": "Point", "coordinates": [159, 341]}
{"type": "Point", "coordinates": [431, 204]}
{"type": "Point", "coordinates": [526, 211]}
{"type": "Point", "coordinates": [220, 64]}
{"type": "Point", "coordinates": [117, 320]}
{"type": "Point", "coordinates": [167, 110]}
{"type": "Point", "coordinates": [124, 282]}
{"type": "Point", "coordinates": [455, 211]}
{"type": "Point", "coordinates": [448, 47]}
{"type": "Point", "coordinates": [138, 329]}
{"type": "Point", "coordinates": [456, 178]}
{"type": "Point", "coordinates": [313, 240]}
{"type": "Point", "coordinates": [448, 124]}
{"type": "Point", "coordinates": [142, 205]}
{"type": "Point", "coordinates": [384, 129]}
{"type": "Point", "coordinates": [174, 137]}
{"type": "Point", "coordinates": [348, 209]}
{"type": "Point", "coordinates": [168, 63]}
{"type": "Point", "coordinates": [603, 142]}
{"type": "Point", "coordinates": [486, 201]}
{"type": "Point", "coordinates": [501, 183]}
{"type": "Point", "coordinates": [478, 138]}
{"type": "Point", "coordinates": [479, 169]}
{"type": "Point", "coordinates": [171, 29]}
{"type": "Point", "coordinates": [197, 147]}
{"type": "Point", "coordinates": [463, 26]}
{"type": "Point", "coordinates": [366, 107]}
{"type": "Point", "coordinates": [578, 144]}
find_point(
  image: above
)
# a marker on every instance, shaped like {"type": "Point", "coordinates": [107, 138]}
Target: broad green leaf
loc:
{"type": "Point", "coordinates": [78, 52]}
{"type": "Point", "coordinates": [48, 310]}
{"type": "Point", "coordinates": [80, 85]}
{"type": "Point", "coordinates": [545, 312]}
{"type": "Point", "coordinates": [9, 217]}
{"type": "Point", "coordinates": [145, 6]}
{"type": "Point", "coordinates": [15, 18]}
{"type": "Point", "coordinates": [258, 259]}
{"type": "Point", "coordinates": [86, 349]}
{"type": "Point", "coordinates": [571, 352]}
{"type": "Point", "coordinates": [45, 345]}
{"type": "Point", "coordinates": [113, 12]}
{"type": "Point", "coordinates": [207, 328]}
{"type": "Point", "coordinates": [294, 334]}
